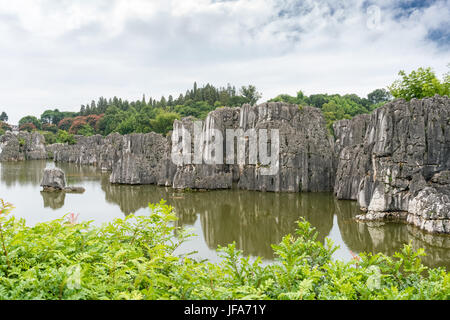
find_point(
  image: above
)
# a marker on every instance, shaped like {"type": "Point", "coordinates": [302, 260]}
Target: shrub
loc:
{"type": "Point", "coordinates": [133, 258]}
{"type": "Point", "coordinates": [50, 137]}
{"type": "Point", "coordinates": [65, 137]}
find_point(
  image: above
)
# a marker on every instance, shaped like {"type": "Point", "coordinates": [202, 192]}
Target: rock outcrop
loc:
{"type": "Point", "coordinates": [22, 146]}
{"type": "Point", "coordinates": [305, 160]}
{"type": "Point", "coordinates": [132, 159]}
{"type": "Point", "coordinates": [394, 162]}
{"type": "Point", "coordinates": [53, 179]}
{"type": "Point", "coordinates": [402, 163]}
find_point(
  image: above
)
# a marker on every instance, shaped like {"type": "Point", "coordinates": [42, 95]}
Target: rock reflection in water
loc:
{"type": "Point", "coordinates": [54, 200]}
{"type": "Point", "coordinates": [389, 237]}
{"type": "Point", "coordinates": [254, 220]}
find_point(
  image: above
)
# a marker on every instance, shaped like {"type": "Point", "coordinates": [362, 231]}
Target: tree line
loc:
{"type": "Point", "coordinates": [105, 116]}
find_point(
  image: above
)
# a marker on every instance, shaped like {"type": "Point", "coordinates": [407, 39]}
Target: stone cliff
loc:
{"type": "Point", "coordinates": [23, 146]}
{"type": "Point", "coordinates": [306, 159]}
{"type": "Point", "coordinates": [395, 162]}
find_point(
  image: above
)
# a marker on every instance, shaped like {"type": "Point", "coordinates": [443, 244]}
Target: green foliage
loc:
{"type": "Point", "coordinates": [50, 137]}
{"type": "Point", "coordinates": [336, 107]}
{"type": "Point", "coordinates": [133, 258]}
{"type": "Point", "coordinates": [22, 142]}
{"type": "Point", "coordinates": [379, 96]}
{"type": "Point", "coordinates": [86, 130]}
{"type": "Point", "coordinates": [61, 137]}
{"type": "Point", "coordinates": [419, 84]}
{"type": "Point", "coordinates": [163, 122]}
{"type": "Point", "coordinates": [4, 127]}
{"type": "Point", "coordinates": [250, 94]}
{"type": "Point", "coordinates": [65, 137]}
{"type": "Point", "coordinates": [3, 117]}
{"type": "Point", "coordinates": [30, 119]}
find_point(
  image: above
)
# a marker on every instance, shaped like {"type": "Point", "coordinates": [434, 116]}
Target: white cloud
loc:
{"type": "Point", "coordinates": [65, 53]}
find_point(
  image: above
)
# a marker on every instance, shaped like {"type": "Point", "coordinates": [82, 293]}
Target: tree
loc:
{"type": "Point", "coordinates": [163, 122]}
{"type": "Point", "coordinates": [419, 84]}
{"type": "Point", "coordinates": [65, 123]}
{"type": "Point", "coordinates": [27, 127]}
{"type": "Point", "coordinates": [30, 119]}
{"type": "Point", "coordinates": [86, 130]}
{"type": "Point", "coordinates": [3, 116]}
{"type": "Point", "coordinates": [250, 94]}
{"type": "Point", "coordinates": [379, 95]}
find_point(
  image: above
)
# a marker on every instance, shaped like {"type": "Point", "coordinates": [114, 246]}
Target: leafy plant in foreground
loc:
{"type": "Point", "coordinates": [134, 258]}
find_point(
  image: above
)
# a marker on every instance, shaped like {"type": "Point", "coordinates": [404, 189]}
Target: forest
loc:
{"type": "Point", "coordinates": [106, 116]}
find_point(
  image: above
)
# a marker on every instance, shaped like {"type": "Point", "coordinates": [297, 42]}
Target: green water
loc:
{"type": "Point", "coordinates": [254, 220]}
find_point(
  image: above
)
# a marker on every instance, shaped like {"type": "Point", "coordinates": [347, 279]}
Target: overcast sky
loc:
{"type": "Point", "coordinates": [61, 54]}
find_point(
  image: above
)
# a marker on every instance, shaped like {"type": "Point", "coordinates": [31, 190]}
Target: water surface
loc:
{"type": "Point", "coordinates": [254, 220]}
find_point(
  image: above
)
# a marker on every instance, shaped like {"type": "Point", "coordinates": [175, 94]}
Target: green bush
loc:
{"type": "Point", "coordinates": [419, 84]}
{"type": "Point", "coordinates": [133, 258]}
{"type": "Point", "coordinates": [65, 137]}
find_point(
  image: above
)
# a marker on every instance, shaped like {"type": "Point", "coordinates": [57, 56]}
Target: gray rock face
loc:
{"type": "Point", "coordinates": [393, 161]}
{"type": "Point", "coordinates": [54, 179]}
{"type": "Point", "coordinates": [402, 163]}
{"type": "Point", "coordinates": [22, 146]}
{"type": "Point", "coordinates": [133, 159]}
{"type": "Point", "coordinates": [305, 161]}
{"type": "Point", "coordinates": [138, 159]}
{"type": "Point", "coordinates": [95, 150]}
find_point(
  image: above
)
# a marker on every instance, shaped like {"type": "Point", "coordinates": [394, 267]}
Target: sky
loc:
{"type": "Point", "coordinates": [61, 53]}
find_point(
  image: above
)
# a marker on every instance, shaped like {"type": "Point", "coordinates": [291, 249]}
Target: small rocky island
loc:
{"type": "Point", "coordinates": [55, 180]}
{"type": "Point", "coordinates": [395, 162]}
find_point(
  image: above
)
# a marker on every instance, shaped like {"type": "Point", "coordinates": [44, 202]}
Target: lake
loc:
{"type": "Point", "coordinates": [254, 220]}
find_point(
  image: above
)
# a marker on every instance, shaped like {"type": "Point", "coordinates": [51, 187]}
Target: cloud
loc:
{"type": "Point", "coordinates": [61, 54]}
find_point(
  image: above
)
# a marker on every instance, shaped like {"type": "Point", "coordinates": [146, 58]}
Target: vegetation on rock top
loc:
{"type": "Point", "coordinates": [133, 258]}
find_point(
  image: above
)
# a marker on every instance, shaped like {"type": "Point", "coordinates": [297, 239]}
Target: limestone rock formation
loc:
{"type": "Point", "coordinates": [305, 151]}
{"type": "Point", "coordinates": [401, 164]}
{"type": "Point", "coordinates": [95, 150]}
{"type": "Point", "coordinates": [53, 179]}
{"type": "Point", "coordinates": [139, 158]}
{"type": "Point", "coordinates": [22, 146]}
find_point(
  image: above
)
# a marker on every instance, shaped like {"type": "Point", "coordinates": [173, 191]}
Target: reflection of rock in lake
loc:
{"type": "Point", "coordinates": [255, 221]}
{"type": "Point", "coordinates": [389, 237]}
{"type": "Point", "coordinates": [131, 198]}
{"type": "Point", "coordinates": [54, 200]}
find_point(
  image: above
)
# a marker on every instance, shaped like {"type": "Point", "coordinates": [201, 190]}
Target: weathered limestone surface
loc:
{"type": "Point", "coordinates": [401, 165]}
{"type": "Point", "coordinates": [133, 159]}
{"type": "Point", "coordinates": [54, 179]}
{"type": "Point", "coordinates": [306, 160]}
{"type": "Point", "coordinates": [139, 159]}
{"type": "Point", "coordinates": [95, 150]}
{"type": "Point", "coordinates": [394, 162]}
{"type": "Point", "coordinates": [23, 146]}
